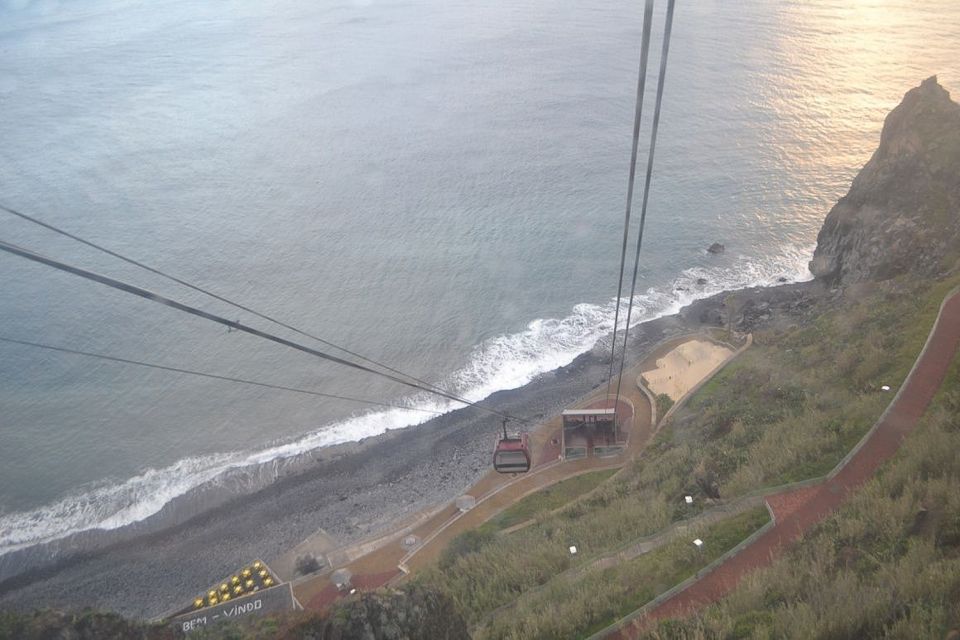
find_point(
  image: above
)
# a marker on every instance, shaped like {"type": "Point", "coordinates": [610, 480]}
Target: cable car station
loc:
{"type": "Point", "coordinates": [591, 432]}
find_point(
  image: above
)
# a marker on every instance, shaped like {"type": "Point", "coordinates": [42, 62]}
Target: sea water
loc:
{"type": "Point", "coordinates": [436, 184]}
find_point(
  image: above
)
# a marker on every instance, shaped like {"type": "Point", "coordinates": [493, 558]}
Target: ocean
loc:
{"type": "Point", "coordinates": [438, 185]}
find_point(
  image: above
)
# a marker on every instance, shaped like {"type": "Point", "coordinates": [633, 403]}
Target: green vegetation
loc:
{"type": "Point", "coordinates": [788, 409]}
{"type": "Point", "coordinates": [545, 500]}
{"type": "Point", "coordinates": [495, 572]}
{"type": "Point", "coordinates": [664, 402]}
{"type": "Point", "coordinates": [465, 544]}
{"type": "Point", "coordinates": [412, 612]}
{"type": "Point", "coordinates": [571, 608]}
{"type": "Point", "coordinates": [792, 406]}
{"type": "Point", "coordinates": [886, 565]}
{"type": "Point", "coordinates": [83, 625]}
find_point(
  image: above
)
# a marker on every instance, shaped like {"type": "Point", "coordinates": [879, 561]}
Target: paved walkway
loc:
{"type": "Point", "coordinates": [799, 510]}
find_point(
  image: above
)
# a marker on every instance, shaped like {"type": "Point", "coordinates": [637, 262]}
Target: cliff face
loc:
{"type": "Point", "coordinates": [902, 213]}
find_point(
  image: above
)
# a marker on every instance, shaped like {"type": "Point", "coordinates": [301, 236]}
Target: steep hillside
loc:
{"type": "Point", "coordinates": [902, 213]}
{"type": "Point", "coordinates": [886, 565]}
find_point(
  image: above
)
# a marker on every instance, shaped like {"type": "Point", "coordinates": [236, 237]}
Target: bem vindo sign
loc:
{"type": "Point", "coordinates": [274, 599]}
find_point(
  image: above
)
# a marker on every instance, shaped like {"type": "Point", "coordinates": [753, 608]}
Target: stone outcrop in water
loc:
{"type": "Point", "coordinates": [902, 213]}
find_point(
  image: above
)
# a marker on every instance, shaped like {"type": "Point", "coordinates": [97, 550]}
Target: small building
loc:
{"type": "Point", "coordinates": [589, 432]}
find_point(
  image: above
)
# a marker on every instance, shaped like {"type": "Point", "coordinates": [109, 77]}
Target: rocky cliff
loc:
{"type": "Point", "coordinates": [902, 213]}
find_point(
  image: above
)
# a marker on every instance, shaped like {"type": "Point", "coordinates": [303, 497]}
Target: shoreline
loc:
{"type": "Point", "coordinates": [353, 491]}
{"type": "Point", "coordinates": [168, 495]}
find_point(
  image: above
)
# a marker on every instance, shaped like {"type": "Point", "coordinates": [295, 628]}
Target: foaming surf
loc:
{"type": "Point", "coordinates": [498, 364]}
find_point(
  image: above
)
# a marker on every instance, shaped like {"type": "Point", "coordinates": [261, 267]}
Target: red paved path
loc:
{"type": "Point", "coordinates": [367, 582]}
{"type": "Point", "coordinates": [798, 510]}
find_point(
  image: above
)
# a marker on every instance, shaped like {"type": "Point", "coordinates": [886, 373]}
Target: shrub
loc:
{"type": "Point", "coordinates": [466, 543]}
{"type": "Point", "coordinates": [664, 402]}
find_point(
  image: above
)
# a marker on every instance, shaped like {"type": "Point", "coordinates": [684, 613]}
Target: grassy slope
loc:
{"type": "Point", "coordinates": [788, 409]}
{"type": "Point", "coordinates": [886, 565]}
{"type": "Point", "coordinates": [548, 499]}
{"type": "Point", "coordinates": [576, 608]}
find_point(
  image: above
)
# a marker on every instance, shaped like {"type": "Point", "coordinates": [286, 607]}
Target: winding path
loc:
{"type": "Point", "coordinates": [798, 510]}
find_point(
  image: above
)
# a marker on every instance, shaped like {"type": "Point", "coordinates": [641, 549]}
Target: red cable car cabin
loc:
{"type": "Point", "coordinates": [511, 455]}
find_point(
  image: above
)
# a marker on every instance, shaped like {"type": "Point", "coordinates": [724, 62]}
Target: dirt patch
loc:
{"type": "Point", "coordinates": [684, 367]}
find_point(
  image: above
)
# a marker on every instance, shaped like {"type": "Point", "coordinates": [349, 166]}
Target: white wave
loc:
{"type": "Point", "coordinates": [511, 361]}
{"type": "Point", "coordinates": [108, 507]}
{"type": "Point", "coordinates": [497, 364]}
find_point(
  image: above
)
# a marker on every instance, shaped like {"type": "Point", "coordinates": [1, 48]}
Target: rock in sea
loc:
{"type": "Point", "coordinates": [716, 247]}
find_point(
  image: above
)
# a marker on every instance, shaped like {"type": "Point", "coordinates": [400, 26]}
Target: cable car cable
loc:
{"type": "Point", "coordinates": [202, 374]}
{"type": "Point", "coordinates": [641, 90]}
{"type": "Point", "coordinates": [230, 324]}
{"type": "Point", "coordinates": [207, 292]}
{"type": "Point", "coordinates": [646, 185]}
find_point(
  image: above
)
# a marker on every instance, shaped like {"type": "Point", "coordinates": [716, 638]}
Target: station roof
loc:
{"type": "Point", "coordinates": [589, 412]}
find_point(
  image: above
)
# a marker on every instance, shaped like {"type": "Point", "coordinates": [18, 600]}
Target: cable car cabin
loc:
{"type": "Point", "coordinates": [511, 455]}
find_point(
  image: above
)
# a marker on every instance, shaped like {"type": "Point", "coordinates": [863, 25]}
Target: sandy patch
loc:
{"type": "Point", "coordinates": [684, 366]}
